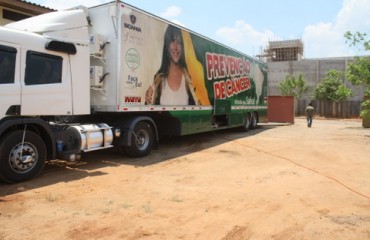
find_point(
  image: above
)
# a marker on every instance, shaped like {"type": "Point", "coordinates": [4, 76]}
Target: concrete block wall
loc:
{"type": "Point", "coordinates": [313, 71]}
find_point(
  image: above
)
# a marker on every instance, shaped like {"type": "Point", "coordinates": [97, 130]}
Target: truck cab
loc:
{"type": "Point", "coordinates": [38, 59]}
{"type": "Point", "coordinates": [44, 71]}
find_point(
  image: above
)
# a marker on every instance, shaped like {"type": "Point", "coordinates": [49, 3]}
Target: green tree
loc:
{"type": "Point", "coordinates": [293, 86]}
{"type": "Point", "coordinates": [332, 88]}
{"type": "Point", "coordinates": [358, 71]}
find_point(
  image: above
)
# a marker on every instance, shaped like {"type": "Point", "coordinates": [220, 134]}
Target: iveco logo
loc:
{"type": "Point", "coordinates": [131, 26]}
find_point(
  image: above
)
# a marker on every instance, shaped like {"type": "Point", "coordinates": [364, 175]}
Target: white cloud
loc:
{"type": "Point", "coordinates": [178, 22]}
{"type": "Point", "coordinates": [244, 37]}
{"type": "Point", "coordinates": [355, 15]}
{"type": "Point", "coordinates": [171, 12]}
{"type": "Point", "coordinates": [320, 40]}
{"type": "Point", "coordinates": [327, 39]}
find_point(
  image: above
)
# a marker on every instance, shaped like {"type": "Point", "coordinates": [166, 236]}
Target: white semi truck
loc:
{"type": "Point", "coordinates": [83, 79]}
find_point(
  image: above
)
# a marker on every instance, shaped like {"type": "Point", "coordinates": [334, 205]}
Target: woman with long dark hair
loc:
{"type": "Point", "coordinates": [172, 83]}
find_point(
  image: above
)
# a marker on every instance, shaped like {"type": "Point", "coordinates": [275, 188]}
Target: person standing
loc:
{"type": "Point", "coordinates": [310, 110]}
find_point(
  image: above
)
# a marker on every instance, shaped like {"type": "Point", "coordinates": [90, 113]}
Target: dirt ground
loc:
{"type": "Point", "coordinates": [275, 182]}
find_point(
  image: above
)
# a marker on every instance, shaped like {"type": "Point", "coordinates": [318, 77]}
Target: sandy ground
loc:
{"type": "Point", "coordinates": [276, 182]}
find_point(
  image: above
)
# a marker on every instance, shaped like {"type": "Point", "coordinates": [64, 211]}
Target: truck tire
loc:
{"type": "Point", "coordinates": [21, 161]}
{"type": "Point", "coordinates": [246, 124]}
{"type": "Point", "coordinates": [141, 140]}
{"type": "Point", "coordinates": [253, 123]}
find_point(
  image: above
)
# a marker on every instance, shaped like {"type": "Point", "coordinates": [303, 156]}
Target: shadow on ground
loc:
{"type": "Point", "coordinates": [92, 163]}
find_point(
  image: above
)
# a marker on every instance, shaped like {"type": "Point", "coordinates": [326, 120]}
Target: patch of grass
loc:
{"type": "Point", "coordinates": [105, 211]}
{"type": "Point", "coordinates": [50, 198]}
{"type": "Point", "coordinates": [147, 208]}
{"type": "Point", "coordinates": [126, 205]}
{"type": "Point", "coordinates": [176, 199]}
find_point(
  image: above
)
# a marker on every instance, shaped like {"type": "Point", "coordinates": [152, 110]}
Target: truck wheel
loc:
{"type": "Point", "coordinates": [141, 140]}
{"type": "Point", "coordinates": [246, 124]}
{"type": "Point", "coordinates": [253, 123]}
{"type": "Point", "coordinates": [21, 161]}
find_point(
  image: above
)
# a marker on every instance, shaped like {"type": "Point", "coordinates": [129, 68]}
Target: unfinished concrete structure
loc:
{"type": "Point", "coordinates": [279, 51]}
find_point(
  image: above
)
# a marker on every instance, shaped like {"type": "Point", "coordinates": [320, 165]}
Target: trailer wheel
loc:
{"type": "Point", "coordinates": [253, 122]}
{"type": "Point", "coordinates": [141, 140]}
{"type": "Point", "coordinates": [20, 161]}
{"type": "Point", "coordinates": [246, 124]}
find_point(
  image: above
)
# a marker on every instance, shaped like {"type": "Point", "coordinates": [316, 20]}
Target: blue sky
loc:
{"type": "Point", "coordinates": [248, 26]}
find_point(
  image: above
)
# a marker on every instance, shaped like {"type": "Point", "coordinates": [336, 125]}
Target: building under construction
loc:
{"type": "Point", "coordinates": [280, 51]}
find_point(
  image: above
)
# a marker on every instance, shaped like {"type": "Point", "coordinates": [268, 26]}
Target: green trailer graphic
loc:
{"type": "Point", "coordinates": [199, 84]}
{"type": "Point", "coordinates": [219, 87]}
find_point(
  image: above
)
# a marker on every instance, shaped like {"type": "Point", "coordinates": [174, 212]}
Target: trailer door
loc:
{"type": "Point", "coordinates": [9, 79]}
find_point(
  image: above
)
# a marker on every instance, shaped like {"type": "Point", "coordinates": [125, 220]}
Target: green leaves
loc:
{"type": "Point", "coordinates": [293, 86]}
{"type": "Point", "coordinates": [358, 71]}
{"type": "Point", "coordinates": [365, 113]}
{"type": "Point", "coordinates": [356, 39]}
{"type": "Point", "coordinates": [332, 88]}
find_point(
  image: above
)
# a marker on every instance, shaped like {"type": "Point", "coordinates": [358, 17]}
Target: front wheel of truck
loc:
{"type": "Point", "coordinates": [142, 138]}
{"type": "Point", "coordinates": [22, 156]}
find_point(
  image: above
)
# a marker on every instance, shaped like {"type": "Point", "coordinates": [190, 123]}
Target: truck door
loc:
{"type": "Point", "coordinates": [46, 89]}
{"type": "Point", "coordinates": [10, 97]}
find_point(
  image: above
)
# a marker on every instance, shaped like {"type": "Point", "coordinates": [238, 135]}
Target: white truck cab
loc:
{"type": "Point", "coordinates": [43, 56]}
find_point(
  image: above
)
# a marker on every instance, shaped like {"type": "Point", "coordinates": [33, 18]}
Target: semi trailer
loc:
{"type": "Point", "coordinates": [86, 79]}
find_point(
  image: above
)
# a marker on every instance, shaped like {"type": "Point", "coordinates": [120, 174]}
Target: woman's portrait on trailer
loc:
{"type": "Point", "coordinates": [172, 84]}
